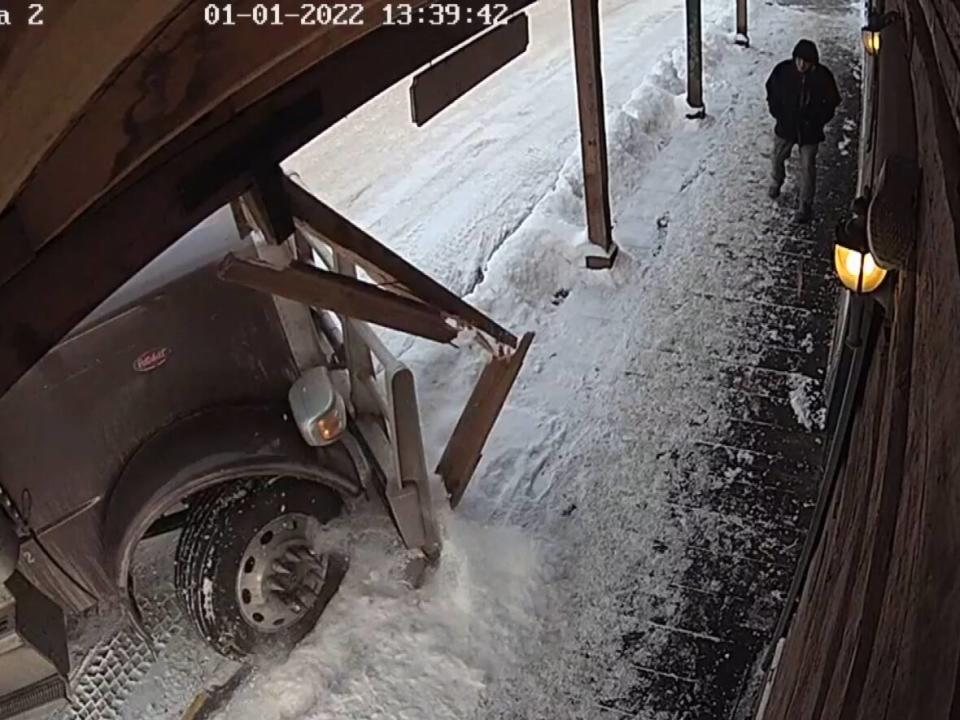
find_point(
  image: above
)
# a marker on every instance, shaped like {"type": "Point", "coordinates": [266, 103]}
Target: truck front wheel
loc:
{"type": "Point", "coordinates": [247, 574]}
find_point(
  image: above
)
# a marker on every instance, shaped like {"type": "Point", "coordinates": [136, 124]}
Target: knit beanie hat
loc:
{"type": "Point", "coordinates": [806, 50]}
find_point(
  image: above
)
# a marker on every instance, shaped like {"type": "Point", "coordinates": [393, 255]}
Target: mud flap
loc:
{"type": "Point", "coordinates": [33, 652]}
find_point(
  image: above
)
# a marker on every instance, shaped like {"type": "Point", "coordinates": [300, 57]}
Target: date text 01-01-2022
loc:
{"type": "Point", "coordinates": [434, 13]}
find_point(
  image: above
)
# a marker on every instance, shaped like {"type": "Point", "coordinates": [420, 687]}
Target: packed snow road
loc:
{"type": "Point", "coordinates": [633, 491]}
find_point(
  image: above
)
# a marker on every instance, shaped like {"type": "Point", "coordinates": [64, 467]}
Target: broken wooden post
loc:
{"type": "Point", "coordinates": [465, 447]}
{"type": "Point", "coordinates": [593, 135]}
{"type": "Point", "coordinates": [742, 37]}
{"type": "Point", "coordinates": [694, 62]}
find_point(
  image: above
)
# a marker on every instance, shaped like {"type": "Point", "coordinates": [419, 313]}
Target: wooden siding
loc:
{"type": "Point", "coordinates": [877, 631]}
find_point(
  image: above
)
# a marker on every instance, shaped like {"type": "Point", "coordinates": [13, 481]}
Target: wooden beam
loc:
{"type": "Point", "coordinates": [349, 238]}
{"type": "Point", "coordinates": [694, 61]}
{"type": "Point", "coordinates": [465, 447]}
{"type": "Point", "coordinates": [593, 134]}
{"type": "Point", "coordinates": [340, 294]}
{"type": "Point", "coordinates": [114, 239]}
{"type": "Point", "coordinates": [742, 37]}
{"type": "Point", "coordinates": [190, 67]}
{"type": "Point", "coordinates": [455, 75]}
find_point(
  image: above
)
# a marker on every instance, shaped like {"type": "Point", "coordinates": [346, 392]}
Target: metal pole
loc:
{"type": "Point", "coordinates": [694, 61]}
{"type": "Point", "coordinates": [742, 37]}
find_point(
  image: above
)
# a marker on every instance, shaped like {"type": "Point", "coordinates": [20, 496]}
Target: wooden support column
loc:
{"type": "Point", "coordinates": [593, 134]}
{"type": "Point", "coordinates": [742, 37]}
{"type": "Point", "coordinates": [694, 62]}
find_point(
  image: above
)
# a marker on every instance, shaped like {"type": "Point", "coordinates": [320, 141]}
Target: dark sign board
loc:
{"type": "Point", "coordinates": [452, 77]}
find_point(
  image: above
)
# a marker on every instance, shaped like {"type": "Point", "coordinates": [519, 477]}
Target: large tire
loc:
{"type": "Point", "coordinates": [213, 550]}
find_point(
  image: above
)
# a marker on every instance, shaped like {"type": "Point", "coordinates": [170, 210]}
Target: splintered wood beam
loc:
{"type": "Point", "coordinates": [337, 293]}
{"type": "Point", "coordinates": [465, 447]}
{"type": "Point", "coordinates": [340, 232]}
{"type": "Point", "coordinates": [593, 133]}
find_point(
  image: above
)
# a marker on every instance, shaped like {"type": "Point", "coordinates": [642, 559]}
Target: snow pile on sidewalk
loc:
{"type": "Point", "coordinates": [386, 652]}
{"type": "Point", "coordinates": [807, 403]}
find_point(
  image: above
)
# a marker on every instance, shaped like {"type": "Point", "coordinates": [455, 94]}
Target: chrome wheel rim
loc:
{"type": "Point", "coordinates": [280, 574]}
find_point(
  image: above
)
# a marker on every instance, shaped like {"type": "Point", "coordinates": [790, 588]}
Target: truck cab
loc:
{"type": "Point", "coordinates": [182, 403]}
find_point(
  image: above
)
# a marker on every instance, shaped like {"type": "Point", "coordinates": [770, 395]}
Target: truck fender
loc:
{"type": "Point", "coordinates": [200, 451]}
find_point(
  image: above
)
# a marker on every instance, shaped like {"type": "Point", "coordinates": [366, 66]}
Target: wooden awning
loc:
{"type": "Point", "coordinates": [125, 124]}
{"type": "Point", "coordinates": [101, 86]}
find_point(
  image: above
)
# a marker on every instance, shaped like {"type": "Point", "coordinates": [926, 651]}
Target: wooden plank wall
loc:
{"type": "Point", "coordinates": [877, 632]}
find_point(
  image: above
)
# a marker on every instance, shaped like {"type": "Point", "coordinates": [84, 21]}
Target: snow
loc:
{"type": "Point", "coordinates": [806, 403]}
{"type": "Point", "coordinates": [387, 652]}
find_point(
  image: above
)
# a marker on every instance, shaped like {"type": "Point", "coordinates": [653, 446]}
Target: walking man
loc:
{"type": "Point", "coordinates": [802, 96]}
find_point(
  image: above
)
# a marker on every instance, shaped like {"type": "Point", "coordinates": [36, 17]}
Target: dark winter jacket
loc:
{"type": "Point", "coordinates": [801, 103]}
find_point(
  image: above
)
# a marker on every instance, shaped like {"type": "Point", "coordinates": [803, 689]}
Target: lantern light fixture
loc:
{"type": "Point", "coordinates": [870, 32]}
{"type": "Point", "coordinates": [855, 265]}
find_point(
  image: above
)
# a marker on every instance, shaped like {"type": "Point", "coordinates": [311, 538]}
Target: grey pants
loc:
{"type": "Point", "coordinates": [808, 167]}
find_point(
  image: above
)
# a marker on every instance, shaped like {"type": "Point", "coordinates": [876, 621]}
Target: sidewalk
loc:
{"type": "Point", "coordinates": [707, 463]}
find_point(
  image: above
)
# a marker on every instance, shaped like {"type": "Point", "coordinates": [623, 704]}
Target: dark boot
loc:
{"type": "Point", "coordinates": [773, 192]}
{"type": "Point", "coordinates": [804, 213]}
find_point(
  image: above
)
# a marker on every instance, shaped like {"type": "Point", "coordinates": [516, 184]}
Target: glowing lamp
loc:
{"type": "Point", "coordinates": [871, 31]}
{"type": "Point", "coordinates": [857, 270]}
{"type": "Point", "coordinates": [855, 265]}
{"type": "Point", "coordinates": [871, 41]}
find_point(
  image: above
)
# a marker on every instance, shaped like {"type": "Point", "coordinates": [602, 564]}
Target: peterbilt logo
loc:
{"type": "Point", "coordinates": [151, 359]}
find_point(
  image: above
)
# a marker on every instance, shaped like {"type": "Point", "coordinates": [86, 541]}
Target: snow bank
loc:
{"type": "Point", "coordinates": [386, 652]}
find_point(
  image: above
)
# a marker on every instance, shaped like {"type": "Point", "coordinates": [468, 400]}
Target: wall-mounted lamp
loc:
{"type": "Point", "coordinates": [871, 31]}
{"type": "Point", "coordinates": [852, 260]}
